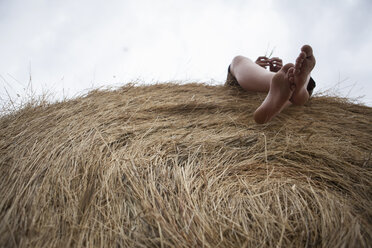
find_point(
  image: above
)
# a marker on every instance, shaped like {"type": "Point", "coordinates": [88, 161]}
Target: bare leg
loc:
{"type": "Point", "coordinates": [305, 63]}
{"type": "Point", "coordinates": [281, 90]}
{"type": "Point", "coordinates": [250, 76]}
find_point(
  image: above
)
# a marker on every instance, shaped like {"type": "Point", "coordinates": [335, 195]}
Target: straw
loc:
{"type": "Point", "coordinates": [172, 165]}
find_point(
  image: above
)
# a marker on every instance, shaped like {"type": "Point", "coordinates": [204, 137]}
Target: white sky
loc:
{"type": "Point", "coordinates": [70, 46]}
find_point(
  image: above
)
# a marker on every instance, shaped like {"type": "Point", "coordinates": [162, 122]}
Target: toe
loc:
{"type": "Point", "coordinates": [308, 50]}
{"type": "Point", "coordinates": [298, 66]}
{"type": "Point", "coordinates": [302, 55]}
{"type": "Point", "coordinates": [299, 63]}
{"type": "Point", "coordinates": [291, 72]}
{"type": "Point", "coordinates": [286, 67]}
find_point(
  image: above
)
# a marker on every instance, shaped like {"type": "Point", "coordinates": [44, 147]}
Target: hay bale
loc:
{"type": "Point", "coordinates": [185, 166]}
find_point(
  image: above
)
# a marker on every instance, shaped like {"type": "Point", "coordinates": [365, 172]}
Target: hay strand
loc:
{"type": "Point", "coordinates": [185, 166]}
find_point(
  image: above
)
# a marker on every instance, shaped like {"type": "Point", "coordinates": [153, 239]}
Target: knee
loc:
{"type": "Point", "coordinates": [237, 60]}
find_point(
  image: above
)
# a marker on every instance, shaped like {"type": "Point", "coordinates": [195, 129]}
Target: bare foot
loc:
{"type": "Point", "coordinates": [305, 63]}
{"type": "Point", "coordinates": [281, 89]}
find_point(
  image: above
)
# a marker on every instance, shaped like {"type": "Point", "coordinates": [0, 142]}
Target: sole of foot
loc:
{"type": "Point", "coordinates": [305, 63]}
{"type": "Point", "coordinates": [281, 89]}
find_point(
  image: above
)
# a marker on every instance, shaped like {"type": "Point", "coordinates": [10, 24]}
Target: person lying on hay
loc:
{"type": "Point", "coordinates": [286, 85]}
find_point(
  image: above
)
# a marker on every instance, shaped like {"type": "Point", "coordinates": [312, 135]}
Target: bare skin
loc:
{"type": "Point", "coordinates": [281, 89]}
{"type": "Point", "coordinates": [250, 76]}
{"type": "Point", "coordinates": [305, 63]}
{"type": "Point", "coordinates": [274, 64]}
{"type": "Point", "coordinates": [285, 85]}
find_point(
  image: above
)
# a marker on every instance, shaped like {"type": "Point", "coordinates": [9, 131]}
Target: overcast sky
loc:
{"type": "Point", "coordinates": [69, 46]}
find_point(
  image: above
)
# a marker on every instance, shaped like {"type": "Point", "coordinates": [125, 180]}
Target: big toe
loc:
{"type": "Point", "coordinates": [308, 50]}
{"type": "Point", "coordinates": [286, 67]}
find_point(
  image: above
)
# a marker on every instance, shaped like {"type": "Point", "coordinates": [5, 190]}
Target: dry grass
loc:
{"type": "Point", "coordinates": [185, 166]}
